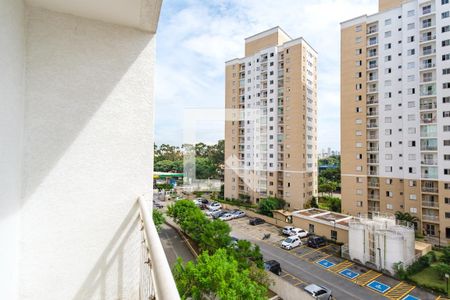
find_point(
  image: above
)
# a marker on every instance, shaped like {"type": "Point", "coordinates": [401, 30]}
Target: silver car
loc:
{"type": "Point", "coordinates": [318, 292]}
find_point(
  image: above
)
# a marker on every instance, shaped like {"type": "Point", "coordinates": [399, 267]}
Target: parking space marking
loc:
{"type": "Point", "coordinates": [365, 278]}
{"type": "Point", "coordinates": [349, 274]}
{"type": "Point", "coordinates": [400, 291]}
{"type": "Point", "coordinates": [378, 286]}
{"type": "Point", "coordinates": [341, 266]}
{"type": "Point", "coordinates": [410, 297]}
{"type": "Point", "coordinates": [325, 263]}
{"type": "Point", "coordinates": [318, 249]}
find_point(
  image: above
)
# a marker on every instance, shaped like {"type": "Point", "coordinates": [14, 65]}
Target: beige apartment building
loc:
{"type": "Point", "coordinates": [271, 126]}
{"type": "Point", "coordinates": [395, 113]}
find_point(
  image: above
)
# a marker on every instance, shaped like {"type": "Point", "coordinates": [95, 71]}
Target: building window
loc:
{"type": "Point", "coordinates": [446, 171]}
{"type": "Point", "coordinates": [413, 210]}
{"type": "Point", "coordinates": [445, 28]}
{"type": "Point", "coordinates": [359, 203]}
{"type": "Point", "coordinates": [445, 14]}
{"type": "Point", "coordinates": [334, 235]}
{"type": "Point", "coordinates": [389, 206]}
{"type": "Point", "coordinates": [445, 99]}
{"type": "Point", "coordinates": [388, 194]}
{"type": "Point", "coordinates": [446, 114]}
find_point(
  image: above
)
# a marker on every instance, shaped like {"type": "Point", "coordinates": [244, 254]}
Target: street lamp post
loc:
{"type": "Point", "coordinates": [446, 282]}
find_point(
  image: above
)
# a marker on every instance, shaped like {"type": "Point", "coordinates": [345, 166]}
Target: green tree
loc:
{"type": "Point", "coordinates": [216, 276]}
{"type": "Point", "coordinates": [405, 217]}
{"type": "Point", "coordinates": [215, 235]}
{"type": "Point", "coordinates": [247, 254]}
{"type": "Point", "coordinates": [158, 219]}
{"type": "Point", "coordinates": [265, 206]}
{"type": "Point", "coordinates": [442, 268]}
{"type": "Point", "coordinates": [205, 168]}
{"type": "Point", "coordinates": [445, 258]}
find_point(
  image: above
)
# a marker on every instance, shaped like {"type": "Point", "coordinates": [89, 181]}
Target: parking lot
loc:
{"type": "Point", "coordinates": [324, 266]}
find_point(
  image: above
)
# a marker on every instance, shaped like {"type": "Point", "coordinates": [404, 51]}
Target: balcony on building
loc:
{"type": "Point", "coordinates": [372, 112]}
{"type": "Point", "coordinates": [372, 134]}
{"type": "Point", "coordinates": [429, 36]}
{"type": "Point", "coordinates": [372, 159]}
{"type": "Point", "coordinates": [430, 215]}
{"type": "Point", "coordinates": [373, 182]}
{"type": "Point", "coordinates": [427, 23]}
{"type": "Point", "coordinates": [428, 89]}
{"type": "Point", "coordinates": [372, 76]}
{"type": "Point", "coordinates": [427, 9]}
{"type": "Point", "coordinates": [427, 77]}
{"type": "Point", "coordinates": [372, 52]}
{"type": "Point", "coordinates": [373, 206]}
{"type": "Point", "coordinates": [372, 170]}
{"type": "Point", "coordinates": [430, 187]}
{"type": "Point", "coordinates": [373, 195]}
{"type": "Point", "coordinates": [372, 100]}
{"type": "Point", "coordinates": [428, 117]}
{"type": "Point", "coordinates": [372, 146]}
{"type": "Point", "coordinates": [372, 88]}
{"type": "Point", "coordinates": [428, 103]}
{"type": "Point", "coordinates": [429, 172]}
{"type": "Point", "coordinates": [429, 159]}
{"type": "Point", "coordinates": [428, 144]}
{"type": "Point", "coordinates": [430, 201]}
{"type": "Point", "coordinates": [372, 64]}
{"type": "Point", "coordinates": [372, 28]}
{"type": "Point", "coordinates": [372, 41]}
{"type": "Point", "coordinates": [372, 123]}
{"type": "Point", "coordinates": [428, 131]}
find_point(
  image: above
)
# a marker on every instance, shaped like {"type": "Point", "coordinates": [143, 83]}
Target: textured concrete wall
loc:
{"type": "Point", "coordinates": [11, 126]}
{"type": "Point", "coordinates": [88, 155]}
{"type": "Point", "coordinates": [286, 290]}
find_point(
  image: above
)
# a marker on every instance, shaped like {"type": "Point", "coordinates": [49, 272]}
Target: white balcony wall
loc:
{"type": "Point", "coordinates": [11, 126]}
{"type": "Point", "coordinates": [76, 117]}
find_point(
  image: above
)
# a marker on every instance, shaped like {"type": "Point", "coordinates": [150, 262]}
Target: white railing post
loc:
{"type": "Point", "coordinates": [159, 283]}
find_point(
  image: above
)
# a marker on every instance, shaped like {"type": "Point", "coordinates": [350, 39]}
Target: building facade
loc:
{"type": "Point", "coordinates": [271, 126]}
{"type": "Point", "coordinates": [395, 113]}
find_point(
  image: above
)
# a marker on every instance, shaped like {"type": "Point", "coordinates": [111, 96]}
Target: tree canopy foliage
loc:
{"type": "Point", "coordinates": [265, 206]}
{"type": "Point", "coordinates": [216, 276]}
{"type": "Point", "coordinates": [223, 265]}
{"type": "Point", "coordinates": [209, 159]}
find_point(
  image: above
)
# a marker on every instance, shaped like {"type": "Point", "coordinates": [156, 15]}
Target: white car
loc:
{"type": "Point", "coordinates": [291, 242]}
{"type": "Point", "coordinates": [287, 230]}
{"type": "Point", "coordinates": [299, 232]}
{"type": "Point", "coordinates": [214, 206]}
{"type": "Point", "coordinates": [239, 214]}
{"type": "Point", "coordinates": [226, 217]}
{"type": "Point", "coordinates": [210, 212]}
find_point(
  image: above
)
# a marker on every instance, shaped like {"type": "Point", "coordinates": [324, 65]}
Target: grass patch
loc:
{"type": "Point", "coordinates": [429, 278]}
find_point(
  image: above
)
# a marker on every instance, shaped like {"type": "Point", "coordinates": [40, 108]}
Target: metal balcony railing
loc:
{"type": "Point", "coordinates": [434, 204]}
{"type": "Point", "coordinates": [434, 218]}
{"type": "Point", "coordinates": [430, 189]}
{"type": "Point", "coordinates": [156, 280]}
{"type": "Point", "coordinates": [429, 162]}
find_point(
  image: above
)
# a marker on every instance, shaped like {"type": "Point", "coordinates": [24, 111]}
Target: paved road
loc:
{"type": "Point", "coordinates": [306, 271]}
{"type": "Point", "coordinates": [174, 245]}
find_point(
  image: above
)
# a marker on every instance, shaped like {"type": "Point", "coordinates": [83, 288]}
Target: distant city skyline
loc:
{"type": "Point", "coordinates": [188, 76]}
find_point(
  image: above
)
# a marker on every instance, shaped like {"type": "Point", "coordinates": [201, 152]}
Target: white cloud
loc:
{"type": "Point", "coordinates": [196, 37]}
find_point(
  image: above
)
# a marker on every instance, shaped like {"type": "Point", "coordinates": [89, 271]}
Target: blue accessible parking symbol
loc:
{"type": "Point", "coordinates": [378, 286]}
{"type": "Point", "coordinates": [349, 273]}
{"type": "Point", "coordinates": [409, 297]}
{"type": "Point", "coordinates": [325, 263]}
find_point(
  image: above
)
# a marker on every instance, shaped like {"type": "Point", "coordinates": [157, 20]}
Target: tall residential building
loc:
{"type": "Point", "coordinates": [271, 129]}
{"type": "Point", "coordinates": [395, 112]}
{"type": "Point", "coordinates": [76, 144]}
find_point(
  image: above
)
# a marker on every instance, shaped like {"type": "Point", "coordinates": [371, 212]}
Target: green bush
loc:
{"type": "Point", "coordinates": [164, 186]}
{"type": "Point", "coordinates": [442, 269]}
{"type": "Point", "coordinates": [267, 205]}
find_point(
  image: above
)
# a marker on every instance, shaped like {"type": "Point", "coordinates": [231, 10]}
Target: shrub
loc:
{"type": "Point", "coordinates": [442, 269]}
{"type": "Point", "coordinates": [164, 186]}
{"type": "Point", "coordinates": [266, 206]}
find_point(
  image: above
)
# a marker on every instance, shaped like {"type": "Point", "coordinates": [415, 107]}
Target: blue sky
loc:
{"type": "Point", "coordinates": [196, 37]}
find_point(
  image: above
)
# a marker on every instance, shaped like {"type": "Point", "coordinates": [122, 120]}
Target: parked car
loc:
{"type": "Point", "coordinates": [201, 201]}
{"type": "Point", "coordinates": [210, 212]}
{"type": "Point", "coordinates": [316, 241]}
{"type": "Point", "coordinates": [157, 205]}
{"type": "Point", "coordinates": [256, 221]}
{"type": "Point", "coordinates": [299, 232]}
{"type": "Point", "coordinates": [291, 242]}
{"type": "Point", "coordinates": [214, 206]}
{"type": "Point", "coordinates": [226, 217]}
{"type": "Point", "coordinates": [318, 292]}
{"type": "Point", "coordinates": [218, 213]}
{"type": "Point", "coordinates": [273, 266]}
{"type": "Point", "coordinates": [238, 214]}
{"type": "Point", "coordinates": [287, 230]}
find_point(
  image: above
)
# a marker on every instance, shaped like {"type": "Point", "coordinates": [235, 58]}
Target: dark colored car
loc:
{"type": "Point", "coordinates": [256, 221]}
{"type": "Point", "coordinates": [316, 241]}
{"type": "Point", "coordinates": [273, 266]}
